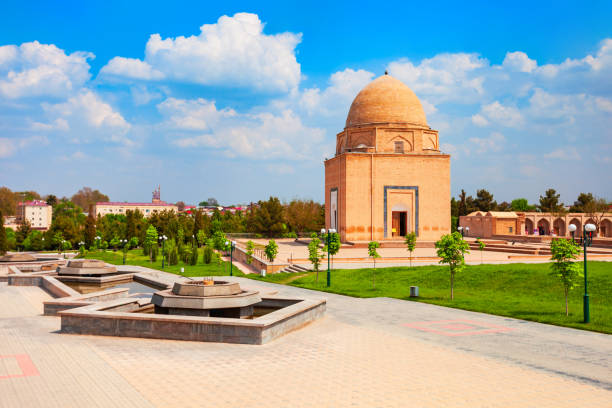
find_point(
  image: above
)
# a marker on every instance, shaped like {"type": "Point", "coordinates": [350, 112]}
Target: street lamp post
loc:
{"type": "Point", "coordinates": [572, 229]}
{"type": "Point", "coordinates": [329, 232]}
{"type": "Point", "coordinates": [98, 238]}
{"type": "Point", "coordinates": [232, 246]}
{"type": "Point", "coordinates": [461, 230]}
{"type": "Point", "coordinates": [124, 242]}
{"type": "Point", "coordinates": [467, 231]}
{"type": "Point", "coordinates": [163, 239]}
{"type": "Point", "coordinates": [587, 239]}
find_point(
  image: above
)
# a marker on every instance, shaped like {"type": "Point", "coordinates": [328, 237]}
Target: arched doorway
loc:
{"type": "Point", "coordinates": [528, 227]}
{"type": "Point", "coordinates": [605, 229]}
{"type": "Point", "coordinates": [543, 227]}
{"type": "Point", "coordinates": [578, 224]}
{"type": "Point", "coordinates": [559, 227]}
{"type": "Point", "coordinates": [400, 220]}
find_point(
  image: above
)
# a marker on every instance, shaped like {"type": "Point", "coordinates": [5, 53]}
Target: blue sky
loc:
{"type": "Point", "coordinates": [240, 101]}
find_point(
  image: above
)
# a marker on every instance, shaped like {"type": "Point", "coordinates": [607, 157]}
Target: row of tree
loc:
{"type": "Point", "coordinates": [70, 226]}
{"type": "Point", "coordinates": [549, 202]}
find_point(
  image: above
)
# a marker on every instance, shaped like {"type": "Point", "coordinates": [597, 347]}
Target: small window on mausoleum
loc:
{"type": "Point", "coordinates": [399, 147]}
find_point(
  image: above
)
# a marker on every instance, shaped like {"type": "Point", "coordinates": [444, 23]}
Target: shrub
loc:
{"type": "Point", "coordinates": [250, 245]}
{"type": "Point", "coordinates": [290, 234]}
{"type": "Point", "coordinates": [133, 242]}
{"type": "Point", "coordinates": [208, 254]}
{"type": "Point", "coordinates": [153, 252]}
{"type": "Point", "coordinates": [193, 259]}
{"type": "Point", "coordinates": [173, 257]}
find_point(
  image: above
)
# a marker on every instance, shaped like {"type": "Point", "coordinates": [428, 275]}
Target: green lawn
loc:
{"type": "Point", "coordinates": [524, 291]}
{"type": "Point", "coordinates": [135, 257]}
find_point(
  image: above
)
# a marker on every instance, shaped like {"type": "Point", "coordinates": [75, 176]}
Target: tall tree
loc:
{"type": "Point", "coordinates": [504, 206]}
{"type": "Point", "coordinates": [268, 218]}
{"type": "Point", "coordinates": [550, 201]}
{"type": "Point", "coordinates": [454, 207]}
{"type": "Point", "coordinates": [564, 253]}
{"type": "Point", "coordinates": [584, 199]}
{"type": "Point", "coordinates": [22, 232]}
{"type": "Point", "coordinates": [212, 201]}
{"type": "Point", "coordinates": [596, 210]}
{"type": "Point", "coordinates": [521, 204]}
{"type": "Point", "coordinates": [86, 197]}
{"type": "Point", "coordinates": [304, 215]}
{"type": "Point", "coordinates": [181, 205]}
{"type": "Point", "coordinates": [51, 200]}
{"type": "Point", "coordinates": [89, 234]}
{"type": "Point", "coordinates": [3, 241]}
{"type": "Point", "coordinates": [484, 201]}
{"type": "Point", "coordinates": [8, 201]}
{"type": "Point", "coordinates": [462, 205]}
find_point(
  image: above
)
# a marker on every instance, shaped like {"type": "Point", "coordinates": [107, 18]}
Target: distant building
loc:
{"type": "Point", "coordinates": [10, 221]}
{"type": "Point", "coordinates": [147, 209]}
{"type": "Point", "coordinates": [487, 224]}
{"type": "Point", "coordinates": [38, 213]}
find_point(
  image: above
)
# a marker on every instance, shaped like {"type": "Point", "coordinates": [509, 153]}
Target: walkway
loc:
{"type": "Point", "coordinates": [364, 353]}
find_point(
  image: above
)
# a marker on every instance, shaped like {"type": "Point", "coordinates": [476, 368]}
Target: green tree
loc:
{"type": "Point", "coordinates": [250, 246]}
{"type": "Point", "coordinates": [150, 240]}
{"type": "Point", "coordinates": [410, 242]}
{"type": "Point", "coordinates": [333, 246]}
{"type": "Point", "coordinates": [219, 241]}
{"type": "Point", "coordinates": [34, 241]}
{"type": "Point", "coordinates": [550, 201]}
{"type": "Point", "coordinates": [373, 253]}
{"type": "Point", "coordinates": [484, 200]}
{"type": "Point", "coordinates": [314, 254]}
{"type": "Point", "coordinates": [481, 247]}
{"type": "Point", "coordinates": [521, 204]}
{"type": "Point", "coordinates": [564, 253]}
{"type": "Point", "coordinates": [582, 200]}
{"type": "Point", "coordinates": [451, 248]}
{"type": "Point", "coordinates": [114, 242]}
{"type": "Point", "coordinates": [22, 232]}
{"type": "Point", "coordinates": [207, 254]}
{"type": "Point", "coordinates": [271, 250]}
{"type": "Point", "coordinates": [201, 237]}
{"type": "Point", "coordinates": [90, 230]}
{"type": "Point", "coordinates": [268, 218]}
{"type": "Point", "coordinates": [3, 240]}
{"type": "Point", "coordinates": [51, 200]}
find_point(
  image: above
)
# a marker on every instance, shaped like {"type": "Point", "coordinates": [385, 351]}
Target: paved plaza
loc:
{"type": "Point", "coordinates": [364, 353]}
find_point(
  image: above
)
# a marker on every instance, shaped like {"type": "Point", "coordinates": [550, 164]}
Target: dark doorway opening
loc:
{"type": "Point", "coordinates": [399, 223]}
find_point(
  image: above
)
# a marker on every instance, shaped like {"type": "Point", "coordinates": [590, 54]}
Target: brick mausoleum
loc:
{"type": "Point", "coordinates": [388, 176]}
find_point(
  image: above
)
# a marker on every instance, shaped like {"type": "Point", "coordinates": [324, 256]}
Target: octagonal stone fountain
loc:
{"type": "Point", "coordinates": [87, 267]}
{"type": "Point", "coordinates": [206, 298]}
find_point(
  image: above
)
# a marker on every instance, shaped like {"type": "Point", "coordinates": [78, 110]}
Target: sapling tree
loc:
{"type": "Point", "coordinates": [314, 256]}
{"type": "Point", "coordinates": [372, 252]}
{"type": "Point", "coordinates": [481, 247]}
{"type": "Point", "coordinates": [451, 248]}
{"type": "Point", "coordinates": [150, 240]}
{"type": "Point", "coordinates": [564, 253]}
{"type": "Point", "coordinates": [271, 250]}
{"type": "Point", "coordinates": [410, 242]}
{"type": "Point", "coordinates": [333, 246]}
{"type": "Point", "coordinates": [250, 246]}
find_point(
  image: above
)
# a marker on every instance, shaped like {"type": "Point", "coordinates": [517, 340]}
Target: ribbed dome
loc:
{"type": "Point", "coordinates": [386, 100]}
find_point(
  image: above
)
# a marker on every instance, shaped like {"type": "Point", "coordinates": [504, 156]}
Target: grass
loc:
{"type": "Point", "coordinates": [523, 291]}
{"type": "Point", "coordinates": [135, 257]}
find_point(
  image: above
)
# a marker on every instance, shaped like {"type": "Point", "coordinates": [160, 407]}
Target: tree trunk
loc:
{"type": "Point", "coordinates": [452, 282]}
{"type": "Point", "coordinates": [411, 259]}
{"type": "Point", "coordinates": [374, 275]}
{"type": "Point", "coordinates": [566, 308]}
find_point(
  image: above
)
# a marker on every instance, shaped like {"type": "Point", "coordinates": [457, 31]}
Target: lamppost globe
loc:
{"type": "Point", "coordinates": [590, 227]}
{"type": "Point", "coordinates": [572, 228]}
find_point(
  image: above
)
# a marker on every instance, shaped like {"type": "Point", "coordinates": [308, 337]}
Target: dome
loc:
{"type": "Point", "coordinates": [386, 100]}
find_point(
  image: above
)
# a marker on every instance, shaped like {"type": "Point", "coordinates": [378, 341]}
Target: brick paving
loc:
{"type": "Point", "coordinates": [364, 353]}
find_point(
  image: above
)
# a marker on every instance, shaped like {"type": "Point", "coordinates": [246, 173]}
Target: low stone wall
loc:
{"type": "Point", "coordinates": [113, 319]}
{"type": "Point", "coordinates": [257, 264]}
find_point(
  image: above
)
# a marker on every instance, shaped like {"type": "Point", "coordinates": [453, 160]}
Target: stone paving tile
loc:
{"type": "Point", "coordinates": [360, 355]}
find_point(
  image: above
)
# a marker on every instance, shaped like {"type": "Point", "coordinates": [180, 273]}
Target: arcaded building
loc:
{"type": "Point", "coordinates": [388, 176]}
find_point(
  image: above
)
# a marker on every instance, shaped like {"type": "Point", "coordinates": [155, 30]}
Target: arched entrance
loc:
{"type": "Point", "coordinates": [528, 227]}
{"type": "Point", "coordinates": [400, 220]}
{"type": "Point", "coordinates": [578, 224]}
{"type": "Point", "coordinates": [605, 229]}
{"type": "Point", "coordinates": [543, 227]}
{"type": "Point", "coordinates": [559, 227]}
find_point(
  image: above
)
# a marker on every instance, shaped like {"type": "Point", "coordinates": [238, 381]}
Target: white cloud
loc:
{"type": "Point", "coordinates": [519, 61]}
{"type": "Point", "coordinates": [564, 153]}
{"type": "Point", "coordinates": [337, 97]}
{"type": "Point", "coordinates": [445, 77]}
{"type": "Point", "coordinates": [479, 120]}
{"type": "Point", "coordinates": [495, 112]}
{"type": "Point", "coordinates": [85, 117]}
{"type": "Point", "coordinates": [9, 146]}
{"type": "Point", "coordinates": [198, 123]}
{"type": "Point", "coordinates": [37, 70]}
{"type": "Point", "coordinates": [494, 143]}
{"type": "Point", "coordinates": [234, 52]}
